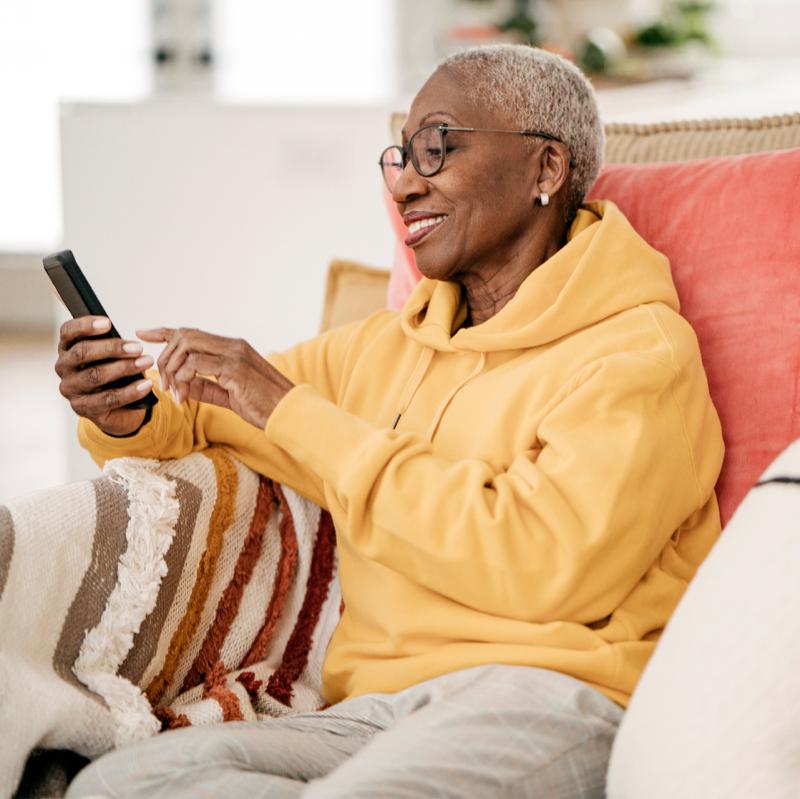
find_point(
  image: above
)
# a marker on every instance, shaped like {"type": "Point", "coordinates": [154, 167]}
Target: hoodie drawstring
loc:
{"type": "Point", "coordinates": [437, 417]}
{"type": "Point", "coordinates": [423, 362]}
{"type": "Point", "coordinates": [414, 381]}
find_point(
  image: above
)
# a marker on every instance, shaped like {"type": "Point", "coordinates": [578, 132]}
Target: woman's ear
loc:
{"type": "Point", "coordinates": [553, 172]}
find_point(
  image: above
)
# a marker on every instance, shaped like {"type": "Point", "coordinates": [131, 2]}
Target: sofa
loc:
{"type": "Point", "coordinates": [717, 196]}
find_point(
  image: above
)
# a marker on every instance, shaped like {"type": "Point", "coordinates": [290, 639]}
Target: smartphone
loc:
{"type": "Point", "coordinates": [76, 293]}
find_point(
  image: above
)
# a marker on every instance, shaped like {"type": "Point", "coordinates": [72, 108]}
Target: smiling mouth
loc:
{"type": "Point", "coordinates": [419, 228]}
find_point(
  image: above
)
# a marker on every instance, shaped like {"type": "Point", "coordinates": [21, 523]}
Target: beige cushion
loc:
{"type": "Point", "coordinates": [687, 141]}
{"type": "Point", "coordinates": [355, 290]}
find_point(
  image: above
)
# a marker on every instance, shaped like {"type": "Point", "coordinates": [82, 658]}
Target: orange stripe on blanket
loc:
{"type": "Point", "coordinates": [221, 518]}
{"type": "Point", "coordinates": [298, 647]}
{"type": "Point", "coordinates": [287, 567]}
{"type": "Point", "coordinates": [216, 689]}
{"type": "Point", "coordinates": [232, 596]}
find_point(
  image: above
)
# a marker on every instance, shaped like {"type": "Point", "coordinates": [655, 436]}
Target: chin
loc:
{"type": "Point", "coordinates": [433, 268]}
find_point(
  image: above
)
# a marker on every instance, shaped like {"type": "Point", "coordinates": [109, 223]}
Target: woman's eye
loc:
{"type": "Point", "coordinates": [433, 152]}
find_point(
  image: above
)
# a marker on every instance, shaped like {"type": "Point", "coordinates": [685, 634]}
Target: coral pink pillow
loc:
{"type": "Point", "coordinates": [404, 275]}
{"type": "Point", "coordinates": [731, 230]}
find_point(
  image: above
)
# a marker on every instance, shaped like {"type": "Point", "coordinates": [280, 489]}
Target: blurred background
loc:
{"type": "Point", "coordinates": [206, 159]}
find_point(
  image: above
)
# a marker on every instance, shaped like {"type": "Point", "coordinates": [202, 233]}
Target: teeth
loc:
{"type": "Point", "coordinates": [423, 223]}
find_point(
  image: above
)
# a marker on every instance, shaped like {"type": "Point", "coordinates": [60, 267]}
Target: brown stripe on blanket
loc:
{"type": "Point", "coordinates": [221, 518]}
{"type": "Point", "coordinates": [284, 576]}
{"type": "Point", "coordinates": [88, 604]}
{"type": "Point", "coordinates": [247, 679]}
{"type": "Point", "coordinates": [295, 655]}
{"type": "Point", "coordinates": [6, 544]}
{"type": "Point", "coordinates": [170, 720]}
{"type": "Point", "coordinates": [232, 596]}
{"type": "Point", "coordinates": [145, 642]}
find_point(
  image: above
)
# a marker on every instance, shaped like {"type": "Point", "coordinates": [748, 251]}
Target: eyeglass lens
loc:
{"type": "Point", "coordinates": [426, 148]}
{"type": "Point", "coordinates": [391, 166]}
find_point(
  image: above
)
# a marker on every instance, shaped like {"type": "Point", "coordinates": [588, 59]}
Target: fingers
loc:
{"type": "Point", "coordinates": [82, 327]}
{"type": "Point", "coordinates": [87, 351]}
{"type": "Point", "coordinates": [96, 404]}
{"type": "Point", "coordinates": [172, 338]}
{"type": "Point", "coordinates": [156, 334]}
{"type": "Point", "coordinates": [181, 343]}
{"type": "Point", "coordinates": [204, 390]}
{"type": "Point", "coordinates": [96, 375]}
{"type": "Point", "coordinates": [193, 365]}
{"type": "Point", "coordinates": [162, 334]}
{"type": "Point", "coordinates": [88, 367]}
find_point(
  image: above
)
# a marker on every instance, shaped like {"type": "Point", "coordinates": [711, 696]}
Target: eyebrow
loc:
{"type": "Point", "coordinates": [430, 114]}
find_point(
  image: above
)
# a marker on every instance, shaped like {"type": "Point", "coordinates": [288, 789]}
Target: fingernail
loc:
{"type": "Point", "coordinates": [132, 346]}
{"type": "Point", "coordinates": [144, 385]}
{"type": "Point", "coordinates": [144, 361]}
{"type": "Point", "coordinates": [175, 396]}
{"type": "Point", "coordinates": [100, 324]}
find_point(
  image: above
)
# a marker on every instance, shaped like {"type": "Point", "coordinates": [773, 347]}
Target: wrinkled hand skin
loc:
{"type": "Point", "coordinates": [87, 363]}
{"type": "Point", "coordinates": [243, 380]}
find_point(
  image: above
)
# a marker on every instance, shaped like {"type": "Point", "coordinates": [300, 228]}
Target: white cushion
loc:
{"type": "Point", "coordinates": [717, 710]}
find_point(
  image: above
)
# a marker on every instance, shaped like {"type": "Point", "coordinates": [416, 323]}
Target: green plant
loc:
{"type": "Point", "coordinates": [683, 21]}
{"type": "Point", "coordinates": [522, 23]}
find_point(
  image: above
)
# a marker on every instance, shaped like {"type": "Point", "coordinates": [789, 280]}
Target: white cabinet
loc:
{"type": "Point", "coordinates": [220, 216]}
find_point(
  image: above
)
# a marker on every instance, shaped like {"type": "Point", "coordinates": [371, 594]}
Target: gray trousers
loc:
{"type": "Point", "coordinates": [490, 731]}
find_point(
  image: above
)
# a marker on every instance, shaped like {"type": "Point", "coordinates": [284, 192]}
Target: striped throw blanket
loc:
{"type": "Point", "coordinates": [156, 596]}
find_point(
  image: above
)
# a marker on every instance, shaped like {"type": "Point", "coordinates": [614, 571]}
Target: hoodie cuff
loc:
{"type": "Point", "coordinates": [317, 433]}
{"type": "Point", "coordinates": [104, 447]}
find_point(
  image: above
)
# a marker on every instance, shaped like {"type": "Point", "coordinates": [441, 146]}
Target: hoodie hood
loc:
{"type": "Point", "coordinates": [604, 268]}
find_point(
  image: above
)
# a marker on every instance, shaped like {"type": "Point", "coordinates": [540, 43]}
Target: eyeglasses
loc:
{"type": "Point", "coordinates": [426, 150]}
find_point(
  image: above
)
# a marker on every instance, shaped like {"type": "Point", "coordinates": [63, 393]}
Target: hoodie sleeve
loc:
{"type": "Point", "coordinates": [177, 430]}
{"type": "Point", "coordinates": [571, 524]}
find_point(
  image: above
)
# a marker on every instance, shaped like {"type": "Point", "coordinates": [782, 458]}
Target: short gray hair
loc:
{"type": "Point", "coordinates": [539, 91]}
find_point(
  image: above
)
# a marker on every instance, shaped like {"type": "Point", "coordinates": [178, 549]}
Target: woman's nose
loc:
{"type": "Point", "coordinates": [410, 184]}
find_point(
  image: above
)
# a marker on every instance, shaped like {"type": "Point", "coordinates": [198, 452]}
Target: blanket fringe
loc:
{"type": "Point", "coordinates": [153, 509]}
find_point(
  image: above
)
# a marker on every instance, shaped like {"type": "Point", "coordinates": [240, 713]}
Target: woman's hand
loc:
{"type": "Point", "coordinates": [87, 363]}
{"type": "Point", "coordinates": [245, 382]}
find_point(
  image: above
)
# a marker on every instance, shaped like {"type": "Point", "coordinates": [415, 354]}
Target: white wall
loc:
{"type": "Point", "coordinates": [219, 216]}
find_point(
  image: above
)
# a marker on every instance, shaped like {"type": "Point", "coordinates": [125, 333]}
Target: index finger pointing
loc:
{"type": "Point", "coordinates": [156, 334]}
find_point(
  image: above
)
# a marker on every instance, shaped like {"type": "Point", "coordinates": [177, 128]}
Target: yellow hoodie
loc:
{"type": "Point", "coordinates": [546, 494]}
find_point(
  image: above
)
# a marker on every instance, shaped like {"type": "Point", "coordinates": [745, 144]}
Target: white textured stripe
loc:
{"type": "Point", "coordinates": [306, 521]}
{"type": "Point", "coordinates": [153, 512]}
{"type": "Point", "coordinates": [202, 711]}
{"type": "Point", "coordinates": [255, 597]}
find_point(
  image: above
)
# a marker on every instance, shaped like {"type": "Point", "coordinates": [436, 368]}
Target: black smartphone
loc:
{"type": "Point", "coordinates": [76, 293]}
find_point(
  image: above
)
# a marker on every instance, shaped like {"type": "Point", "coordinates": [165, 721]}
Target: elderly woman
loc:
{"type": "Point", "coordinates": [520, 466]}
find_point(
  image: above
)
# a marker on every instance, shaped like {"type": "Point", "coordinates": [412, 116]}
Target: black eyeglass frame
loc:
{"type": "Point", "coordinates": [407, 153]}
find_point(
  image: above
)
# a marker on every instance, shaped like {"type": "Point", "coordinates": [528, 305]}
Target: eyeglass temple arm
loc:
{"type": "Point", "coordinates": [526, 132]}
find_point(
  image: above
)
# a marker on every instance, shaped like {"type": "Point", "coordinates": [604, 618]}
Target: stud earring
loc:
{"type": "Point", "coordinates": [544, 198]}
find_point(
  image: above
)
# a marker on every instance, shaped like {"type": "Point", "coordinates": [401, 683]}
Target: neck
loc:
{"type": "Point", "coordinates": [489, 289]}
